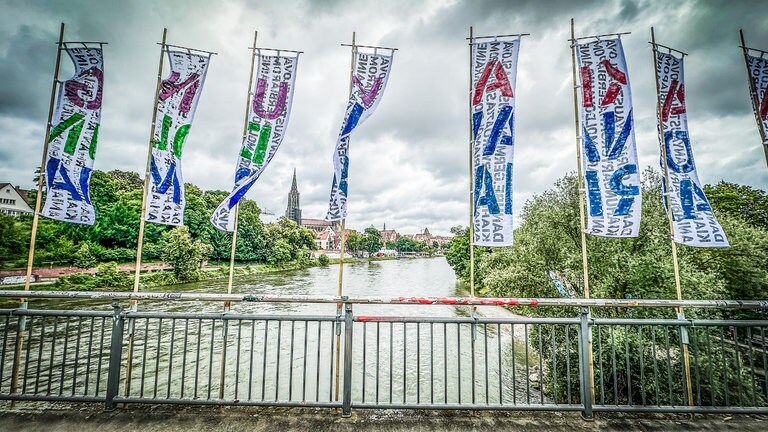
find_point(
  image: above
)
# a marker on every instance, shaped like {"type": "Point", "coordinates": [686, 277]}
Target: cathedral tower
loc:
{"type": "Point", "coordinates": [293, 211]}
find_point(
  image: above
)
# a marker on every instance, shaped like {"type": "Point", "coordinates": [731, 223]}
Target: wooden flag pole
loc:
{"type": "Point", "coordinates": [35, 218]}
{"type": "Point", "coordinates": [753, 96]}
{"type": "Point", "coordinates": [471, 181]}
{"type": "Point", "coordinates": [580, 185]}
{"type": "Point", "coordinates": [341, 254]}
{"type": "Point", "coordinates": [579, 138]}
{"type": "Point", "coordinates": [147, 168]}
{"type": "Point", "coordinates": [228, 303]}
{"type": "Point", "coordinates": [134, 303]}
{"type": "Point", "coordinates": [237, 206]}
{"type": "Point", "coordinates": [676, 265]}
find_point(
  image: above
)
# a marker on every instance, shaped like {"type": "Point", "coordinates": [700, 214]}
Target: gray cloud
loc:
{"type": "Point", "coordinates": [409, 164]}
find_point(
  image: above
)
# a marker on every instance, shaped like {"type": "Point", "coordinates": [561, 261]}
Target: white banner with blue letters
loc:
{"type": "Point", "coordinates": [72, 142]}
{"type": "Point", "coordinates": [369, 79]}
{"type": "Point", "coordinates": [695, 223]}
{"type": "Point", "coordinates": [494, 74]}
{"type": "Point", "coordinates": [176, 105]}
{"type": "Point", "coordinates": [267, 121]}
{"type": "Point", "coordinates": [608, 154]}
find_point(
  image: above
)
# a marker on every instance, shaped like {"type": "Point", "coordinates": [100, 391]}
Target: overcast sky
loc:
{"type": "Point", "coordinates": [408, 164]}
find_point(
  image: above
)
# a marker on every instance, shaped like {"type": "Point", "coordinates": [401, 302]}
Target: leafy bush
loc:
{"type": "Point", "coordinates": [323, 260]}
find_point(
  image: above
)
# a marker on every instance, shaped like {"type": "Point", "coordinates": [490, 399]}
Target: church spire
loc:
{"type": "Point", "coordinates": [293, 211]}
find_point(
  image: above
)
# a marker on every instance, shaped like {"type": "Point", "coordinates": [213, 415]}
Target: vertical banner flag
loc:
{"type": "Point", "coordinates": [694, 222]}
{"type": "Point", "coordinates": [494, 74]}
{"type": "Point", "coordinates": [608, 153]}
{"type": "Point", "coordinates": [369, 79]}
{"type": "Point", "coordinates": [176, 106]}
{"type": "Point", "coordinates": [72, 143]}
{"type": "Point", "coordinates": [758, 73]}
{"type": "Point", "coordinates": [267, 121]}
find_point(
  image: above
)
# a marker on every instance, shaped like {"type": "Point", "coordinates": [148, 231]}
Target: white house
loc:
{"type": "Point", "coordinates": [326, 239]}
{"type": "Point", "coordinates": [13, 201]}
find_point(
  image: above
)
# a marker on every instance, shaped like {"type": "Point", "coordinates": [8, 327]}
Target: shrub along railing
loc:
{"type": "Point", "coordinates": [348, 361]}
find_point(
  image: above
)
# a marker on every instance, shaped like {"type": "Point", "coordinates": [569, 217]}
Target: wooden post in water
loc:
{"type": "Point", "coordinates": [134, 303]}
{"type": "Point", "coordinates": [36, 216]}
{"type": "Point", "coordinates": [580, 185]}
{"type": "Point", "coordinates": [676, 265]}
{"type": "Point", "coordinates": [341, 252]}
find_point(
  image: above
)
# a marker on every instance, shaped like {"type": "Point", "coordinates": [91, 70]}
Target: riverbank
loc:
{"type": "Point", "coordinates": [120, 277]}
{"type": "Point", "coordinates": [149, 418]}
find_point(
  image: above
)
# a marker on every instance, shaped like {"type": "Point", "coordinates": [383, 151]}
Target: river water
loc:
{"type": "Point", "coordinates": [292, 359]}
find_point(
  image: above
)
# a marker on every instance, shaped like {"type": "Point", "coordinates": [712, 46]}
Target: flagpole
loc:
{"type": "Point", "coordinates": [134, 303]}
{"type": "Point", "coordinates": [580, 185]}
{"type": "Point", "coordinates": [676, 265]}
{"type": "Point", "coordinates": [753, 96]}
{"type": "Point", "coordinates": [228, 303]}
{"type": "Point", "coordinates": [341, 254]}
{"type": "Point", "coordinates": [35, 218]}
{"type": "Point", "coordinates": [579, 139]}
{"type": "Point", "coordinates": [237, 206]}
{"type": "Point", "coordinates": [471, 181]}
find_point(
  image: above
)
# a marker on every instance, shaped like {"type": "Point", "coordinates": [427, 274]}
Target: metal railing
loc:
{"type": "Point", "coordinates": [472, 363]}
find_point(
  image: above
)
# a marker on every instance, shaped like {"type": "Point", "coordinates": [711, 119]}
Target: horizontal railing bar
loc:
{"type": "Point", "coordinates": [177, 401]}
{"type": "Point", "coordinates": [451, 301]}
{"type": "Point", "coordinates": [51, 312]}
{"type": "Point", "coordinates": [469, 406]}
{"type": "Point", "coordinates": [681, 409]}
{"type": "Point", "coordinates": [229, 316]}
{"type": "Point", "coordinates": [42, 398]}
{"type": "Point", "coordinates": [684, 323]}
{"type": "Point", "coordinates": [465, 320]}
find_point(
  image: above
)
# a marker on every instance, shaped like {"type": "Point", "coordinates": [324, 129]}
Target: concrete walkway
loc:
{"type": "Point", "coordinates": [86, 418]}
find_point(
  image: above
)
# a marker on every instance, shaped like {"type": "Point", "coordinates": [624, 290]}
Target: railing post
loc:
{"type": "Point", "coordinates": [585, 356]}
{"type": "Point", "coordinates": [22, 327]}
{"type": "Point", "coordinates": [346, 407]}
{"type": "Point", "coordinates": [115, 356]}
{"type": "Point", "coordinates": [684, 343]}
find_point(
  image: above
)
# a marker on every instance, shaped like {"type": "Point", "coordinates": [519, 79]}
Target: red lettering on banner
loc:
{"type": "Point", "coordinates": [502, 83]}
{"type": "Point", "coordinates": [614, 88]}
{"type": "Point", "coordinates": [586, 87]}
{"type": "Point", "coordinates": [674, 92]}
{"type": "Point", "coordinates": [764, 105]}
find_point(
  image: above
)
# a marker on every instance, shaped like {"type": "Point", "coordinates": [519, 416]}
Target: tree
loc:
{"type": "Point", "coordinates": [13, 241]}
{"type": "Point", "coordinates": [183, 253]}
{"type": "Point", "coordinates": [354, 242]}
{"type": "Point", "coordinates": [371, 241]}
{"type": "Point", "coordinates": [281, 253]}
{"type": "Point", "coordinates": [745, 202]}
{"type": "Point", "coordinates": [547, 244]}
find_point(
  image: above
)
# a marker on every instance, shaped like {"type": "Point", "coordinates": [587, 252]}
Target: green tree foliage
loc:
{"type": "Point", "coordinates": [183, 253]}
{"type": "Point", "coordinates": [548, 242]}
{"type": "Point", "coordinates": [548, 245]}
{"type": "Point", "coordinates": [117, 197]}
{"type": "Point", "coordinates": [355, 242]}
{"type": "Point", "coordinates": [371, 241]}
{"type": "Point", "coordinates": [14, 241]}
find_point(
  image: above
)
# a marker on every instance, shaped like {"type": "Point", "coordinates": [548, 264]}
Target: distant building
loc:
{"type": "Point", "coordinates": [326, 239]}
{"type": "Point", "coordinates": [293, 211]}
{"type": "Point", "coordinates": [319, 225]}
{"type": "Point", "coordinates": [388, 235]}
{"type": "Point", "coordinates": [425, 236]}
{"type": "Point", "coordinates": [13, 200]}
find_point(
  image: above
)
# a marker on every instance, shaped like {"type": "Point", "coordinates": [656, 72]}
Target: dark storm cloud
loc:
{"type": "Point", "coordinates": [409, 162]}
